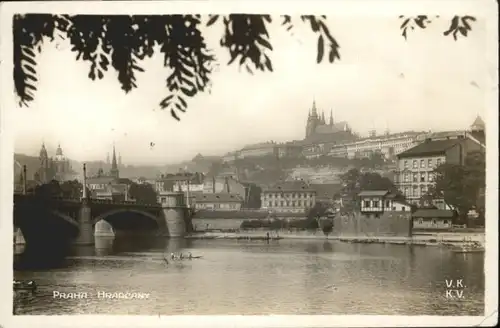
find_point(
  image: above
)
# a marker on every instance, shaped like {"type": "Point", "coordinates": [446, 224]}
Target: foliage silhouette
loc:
{"type": "Point", "coordinates": [462, 186]}
{"type": "Point", "coordinates": [122, 42]}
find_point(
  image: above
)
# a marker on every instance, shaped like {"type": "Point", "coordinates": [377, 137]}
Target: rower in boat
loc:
{"type": "Point", "coordinates": [172, 256]}
{"type": "Point", "coordinates": [190, 256]}
{"type": "Point", "coordinates": [21, 285]}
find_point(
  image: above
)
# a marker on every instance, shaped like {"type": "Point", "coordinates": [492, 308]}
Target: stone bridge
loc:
{"type": "Point", "coordinates": [44, 220]}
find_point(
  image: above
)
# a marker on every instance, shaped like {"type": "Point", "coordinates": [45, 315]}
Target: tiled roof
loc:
{"type": "Point", "coordinates": [368, 193]}
{"type": "Point", "coordinates": [216, 198]}
{"type": "Point", "coordinates": [478, 122]}
{"type": "Point", "coordinates": [432, 147]}
{"type": "Point", "coordinates": [433, 213]}
{"type": "Point", "coordinates": [479, 136]}
{"type": "Point", "coordinates": [295, 185]}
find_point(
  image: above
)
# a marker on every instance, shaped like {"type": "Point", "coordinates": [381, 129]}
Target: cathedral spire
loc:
{"type": "Point", "coordinates": [331, 117]}
{"type": "Point", "coordinates": [314, 111]}
{"type": "Point", "coordinates": [323, 117]}
{"type": "Point", "coordinates": [114, 166]}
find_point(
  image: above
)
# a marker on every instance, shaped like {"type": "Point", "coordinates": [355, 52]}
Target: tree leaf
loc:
{"type": "Point", "coordinates": [321, 49]}
{"type": "Point", "coordinates": [212, 20]}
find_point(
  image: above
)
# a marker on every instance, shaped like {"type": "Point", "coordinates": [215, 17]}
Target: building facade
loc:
{"type": "Point", "coordinates": [433, 219]}
{"type": "Point", "coordinates": [415, 170]}
{"type": "Point", "coordinates": [217, 201]}
{"type": "Point", "coordinates": [389, 145]}
{"type": "Point", "coordinates": [378, 202]}
{"type": "Point", "coordinates": [288, 196]}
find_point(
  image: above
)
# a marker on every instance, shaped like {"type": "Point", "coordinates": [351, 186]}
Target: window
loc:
{"type": "Point", "coordinates": [422, 190]}
{"type": "Point", "coordinates": [407, 191]}
{"type": "Point", "coordinates": [445, 221]}
{"type": "Point", "coordinates": [406, 164]}
{"type": "Point", "coordinates": [293, 203]}
{"type": "Point", "coordinates": [403, 208]}
{"type": "Point", "coordinates": [415, 192]}
{"type": "Point", "coordinates": [270, 204]}
{"type": "Point", "coordinates": [422, 163]}
{"type": "Point", "coordinates": [281, 203]}
{"type": "Point", "coordinates": [438, 162]}
{"type": "Point", "coordinates": [431, 177]}
{"type": "Point", "coordinates": [367, 203]}
{"type": "Point", "coordinates": [429, 163]}
{"type": "Point", "coordinates": [276, 203]}
{"type": "Point", "coordinates": [375, 203]}
{"type": "Point", "coordinates": [164, 199]}
{"type": "Point", "coordinates": [299, 203]}
{"type": "Point", "coordinates": [433, 222]}
{"type": "Point", "coordinates": [407, 177]}
{"type": "Point", "coordinates": [420, 221]}
{"type": "Point", "coordinates": [415, 177]}
{"type": "Point", "coordinates": [422, 176]}
{"type": "Point", "coordinates": [287, 203]}
{"type": "Point", "coordinates": [415, 164]}
{"type": "Point", "coordinates": [387, 203]}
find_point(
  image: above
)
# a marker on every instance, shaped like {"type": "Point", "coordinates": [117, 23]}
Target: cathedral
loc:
{"type": "Point", "coordinates": [318, 131]}
{"type": "Point", "coordinates": [53, 168]}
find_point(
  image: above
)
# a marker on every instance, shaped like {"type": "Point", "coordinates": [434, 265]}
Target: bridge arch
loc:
{"type": "Point", "coordinates": [108, 214]}
{"type": "Point", "coordinates": [65, 217]}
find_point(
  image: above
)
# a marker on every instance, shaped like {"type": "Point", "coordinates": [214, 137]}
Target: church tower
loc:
{"type": "Point", "coordinates": [312, 121]}
{"type": "Point", "coordinates": [331, 118]}
{"type": "Point", "coordinates": [114, 172]}
{"type": "Point", "coordinates": [43, 174]}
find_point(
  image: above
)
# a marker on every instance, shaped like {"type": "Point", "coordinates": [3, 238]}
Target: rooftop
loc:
{"type": "Point", "coordinates": [368, 193]}
{"type": "Point", "coordinates": [433, 213]}
{"type": "Point", "coordinates": [216, 198]}
{"type": "Point", "coordinates": [429, 147]}
{"type": "Point", "coordinates": [295, 185]}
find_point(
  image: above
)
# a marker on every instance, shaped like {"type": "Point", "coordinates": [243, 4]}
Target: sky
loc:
{"type": "Point", "coordinates": [428, 82]}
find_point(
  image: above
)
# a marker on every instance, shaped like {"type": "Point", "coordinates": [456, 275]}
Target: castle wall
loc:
{"type": "Point", "coordinates": [359, 225]}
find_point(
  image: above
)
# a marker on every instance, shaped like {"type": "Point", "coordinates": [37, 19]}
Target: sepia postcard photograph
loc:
{"type": "Point", "coordinates": [239, 163]}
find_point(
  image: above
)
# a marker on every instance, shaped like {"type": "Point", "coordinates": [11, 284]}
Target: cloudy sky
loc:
{"type": "Point", "coordinates": [429, 82]}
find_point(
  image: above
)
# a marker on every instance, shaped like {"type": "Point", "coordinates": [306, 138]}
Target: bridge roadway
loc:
{"type": "Point", "coordinates": [52, 223]}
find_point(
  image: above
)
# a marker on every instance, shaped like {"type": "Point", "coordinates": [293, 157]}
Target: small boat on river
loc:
{"type": "Point", "coordinates": [469, 247]}
{"type": "Point", "coordinates": [25, 285]}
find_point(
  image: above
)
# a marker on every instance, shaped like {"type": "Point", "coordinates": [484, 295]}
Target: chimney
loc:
{"type": "Point", "coordinates": [213, 184]}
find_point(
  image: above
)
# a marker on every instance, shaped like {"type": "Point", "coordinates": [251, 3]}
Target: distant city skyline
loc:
{"type": "Point", "coordinates": [429, 82]}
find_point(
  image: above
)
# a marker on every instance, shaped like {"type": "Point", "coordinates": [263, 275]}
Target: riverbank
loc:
{"type": "Point", "coordinates": [434, 239]}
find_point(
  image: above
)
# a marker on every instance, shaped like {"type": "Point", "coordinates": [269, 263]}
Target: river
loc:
{"type": "Point", "coordinates": [256, 277]}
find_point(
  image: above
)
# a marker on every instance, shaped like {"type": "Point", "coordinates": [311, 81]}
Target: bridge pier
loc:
{"type": "Point", "coordinates": [174, 212]}
{"type": "Point", "coordinates": [86, 234]}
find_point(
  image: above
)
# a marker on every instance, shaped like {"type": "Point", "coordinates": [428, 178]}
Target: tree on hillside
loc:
{"type": "Point", "coordinates": [462, 186]}
{"type": "Point", "coordinates": [353, 182]}
{"type": "Point", "coordinates": [123, 42]}
{"type": "Point", "coordinates": [143, 193]}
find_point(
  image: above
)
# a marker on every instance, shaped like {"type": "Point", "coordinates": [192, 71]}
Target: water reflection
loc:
{"type": "Point", "coordinates": [283, 277]}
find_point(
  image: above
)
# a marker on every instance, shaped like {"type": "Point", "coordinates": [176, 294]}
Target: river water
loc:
{"type": "Point", "coordinates": [257, 277]}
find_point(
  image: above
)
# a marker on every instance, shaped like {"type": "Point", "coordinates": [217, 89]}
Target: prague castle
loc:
{"type": "Point", "coordinates": [318, 131]}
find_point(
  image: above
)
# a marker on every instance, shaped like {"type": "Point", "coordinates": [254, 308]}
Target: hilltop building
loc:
{"type": "Point", "coordinates": [318, 131]}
